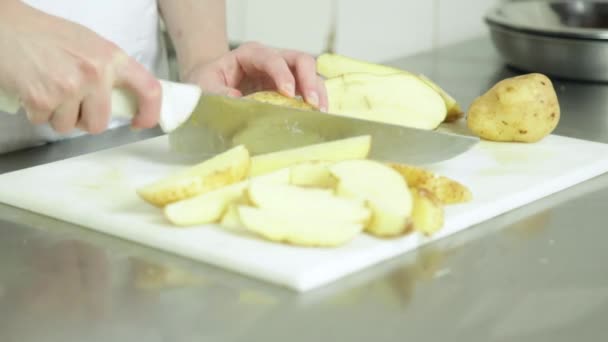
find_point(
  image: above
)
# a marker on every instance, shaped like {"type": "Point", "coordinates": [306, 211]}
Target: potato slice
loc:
{"type": "Point", "coordinates": [344, 149]}
{"type": "Point", "coordinates": [333, 65]}
{"type": "Point", "coordinates": [276, 98]}
{"type": "Point", "coordinates": [454, 112]}
{"type": "Point", "coordinates": [300, 201]}
{"type": "Point", "coordinates": [384, 190]}
{"type": "Point", "coordinates": [231, 218]}
{"type": "Point", "coordinates": [399, 99]}
{"type": "Point", "coordinates": [209, 207]}
{"type": "Point", "coordinates": [427, 213]}
{"type": "Point", "coordinates": [223, 169]}
{"type": "Point", "coordinates": [205, 208]}
{"type": "Point", "coordinates": [312, 174]}
{"type": "Point", "coordinates": [306, 230]}
{"type": "Point", "coordinates": [446, 190]}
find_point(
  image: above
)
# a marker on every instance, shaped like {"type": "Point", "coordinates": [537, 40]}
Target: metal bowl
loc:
{"type": "Point", "coordinates": [565, 39]}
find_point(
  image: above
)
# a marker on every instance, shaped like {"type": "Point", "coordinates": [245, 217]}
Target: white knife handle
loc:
{"type": "Point", "coordinates": [178, 102]}
{"type": "Point", "coordinates": [124, 105]}
{"type": "Point", "coordinates": [8, 103]}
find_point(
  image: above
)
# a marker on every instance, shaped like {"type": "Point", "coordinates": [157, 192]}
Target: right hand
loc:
{"type": "Point", "coordinates": [63, 72]}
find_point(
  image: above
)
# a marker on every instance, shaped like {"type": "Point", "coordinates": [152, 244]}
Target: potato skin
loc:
{"type": "Point", "coordinates": [518, 109]}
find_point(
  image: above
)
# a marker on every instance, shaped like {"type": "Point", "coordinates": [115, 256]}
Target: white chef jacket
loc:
{"type": "Point", "coordinates": [133, 25]}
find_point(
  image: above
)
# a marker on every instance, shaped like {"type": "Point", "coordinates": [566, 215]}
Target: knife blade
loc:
{"type": "Point", "coordinates": [200, 124]}
{"type": "Point", "coordinates": [220, 122]}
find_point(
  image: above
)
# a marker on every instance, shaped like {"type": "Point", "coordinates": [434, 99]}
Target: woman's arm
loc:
{"type": "Point", "coordinates": [197, 29]}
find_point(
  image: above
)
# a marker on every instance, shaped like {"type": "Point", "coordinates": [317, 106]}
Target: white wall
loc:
{"type": "Point", "coordinates": [375, 30]}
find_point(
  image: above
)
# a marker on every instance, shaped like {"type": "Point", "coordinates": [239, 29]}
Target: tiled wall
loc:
{"type": "Point", "coordinates": [375, 30]}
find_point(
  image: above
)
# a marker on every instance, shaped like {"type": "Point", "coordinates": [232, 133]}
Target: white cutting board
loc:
{"type": "Point", "coordinates": [97, 191]}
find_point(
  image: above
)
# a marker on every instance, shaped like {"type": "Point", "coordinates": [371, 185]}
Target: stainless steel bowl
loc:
{"type": "Point", "coordinates": [565, 39]}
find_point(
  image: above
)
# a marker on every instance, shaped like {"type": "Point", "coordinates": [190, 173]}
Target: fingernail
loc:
{"type": "Point", "coordinates": [289, 89]}
{"type": "Point", "coordinates": [313, 99]}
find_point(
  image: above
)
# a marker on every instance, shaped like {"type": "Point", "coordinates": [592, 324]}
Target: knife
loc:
{"type": "Point", "coordinates": [200, 124]}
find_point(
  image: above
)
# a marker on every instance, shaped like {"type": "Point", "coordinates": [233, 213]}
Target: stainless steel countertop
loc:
{"type": "Point", "coordinates": [538, 273]}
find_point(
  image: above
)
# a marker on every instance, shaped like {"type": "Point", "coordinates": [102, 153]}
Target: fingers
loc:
{"type": "Point", "coordinates": [64, 119]}
{"type": "Point", "coordinates": [38, 108]}
{"type": "Point", "coordinates": [323, 98]}
{"type": "Point", "coordinates": [95, 110]}
{"type": "Point", "coordinates": [146, 88]}
{"type": "Point", "coordinates": [305, 69]}
{"type": "Point", "coordinates": [257, 60]}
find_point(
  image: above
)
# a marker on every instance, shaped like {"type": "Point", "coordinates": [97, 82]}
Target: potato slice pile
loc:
{"type": "Point", "coordinates": [322, 195]}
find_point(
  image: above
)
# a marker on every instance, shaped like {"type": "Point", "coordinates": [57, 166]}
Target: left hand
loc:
{"type": "Point", "coordinates": [254, 67]}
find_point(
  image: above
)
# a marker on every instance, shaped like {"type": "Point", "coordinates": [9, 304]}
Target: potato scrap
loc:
{"type": "Point", "coordinates": [446, 190]}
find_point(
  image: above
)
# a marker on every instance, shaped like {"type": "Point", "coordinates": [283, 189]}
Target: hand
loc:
{"type": "Point", "coordinates": [63, 72]}
{"type": "Point", "coordinates": [254, 67]}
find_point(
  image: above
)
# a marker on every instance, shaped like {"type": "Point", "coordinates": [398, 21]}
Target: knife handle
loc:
{"type": "Point", "coordinates": [124, 104]}
{"type": "Point", "coordinates": [177, 103]}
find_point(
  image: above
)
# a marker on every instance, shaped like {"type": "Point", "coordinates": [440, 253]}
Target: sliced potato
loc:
{"type": "Point", "coordinates": [333, 65]}
{"type": "Point", "coordinates": [206, 208]}
{"type": "Point", "coordinates": [427, 213]}
{"type": "Point", "coordinates": [312, 174]}
{"type": "Point", "coordinates": [223, 169]}
{"type": "Point", "coordinates": [454, 112]}
{"type": "Point", "coordinates": [399, 99]}
{"type": "Point", "coordinates": [384, 190]}
{"type": "Point", "coordinates": [276, 98]}
{"type": "Point", "coordinates": [209, 207]}
{"type": "Point", "coordinates": [302, 230]}
{"type": "Point", "coordinates": [344, 149]}
{"type": "Point", "coordinates": [231, 218]}
{"type": "Point", "coordinates": [447, 191]}
{"type": "Point", "coordinates": [300, 201]}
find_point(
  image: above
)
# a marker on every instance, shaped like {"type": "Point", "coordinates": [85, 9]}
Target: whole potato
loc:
{"type": "Point", "coordinates": [517, 109]}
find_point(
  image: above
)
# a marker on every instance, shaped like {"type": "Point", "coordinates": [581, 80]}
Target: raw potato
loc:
{"type": "Point", "coordinates": [454, 112]}
{"type": "Point", "coordinates": [312, 174]}
{"type": "Point", "coordinates": [384, 190]}
{"type": "Point", "coordinates": [206, 208]}
{"type": "Point", "coordinates": [344, 149]}
{"type": "Point", "coordinates": [518, 109]}
{"type": "Point", "coordinates": [334, 65]}
{"type": "Point", "coordinates": [209, 207]}
{"type": "Point", "coordinates": [320, 203]}
{"type": "Point", "coordinates": [223, 169]}
{"type": "Point", "coordinates": [302, 230]}
{"type": "Point", "coordinates": [399, 99]}
{"type": "Point", "coordinates": [231, 219]}
{"type": "Point", "coordinates": [446, 190]}
{"type": "Point", "coordinates": [277, 98]}
{"type": "Point", "coordinates": [427, 214]}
